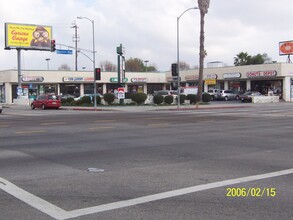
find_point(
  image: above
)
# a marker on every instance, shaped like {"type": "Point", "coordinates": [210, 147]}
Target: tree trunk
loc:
{"type": "Point", "coordinates": [201, 57]}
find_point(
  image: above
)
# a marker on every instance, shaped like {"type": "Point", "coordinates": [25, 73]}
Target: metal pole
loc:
{"type": "Point", "coordinates": [178, 79]}
{"type": "Point", "coordinates": [94, 66]}
{"type": "Point", "coordinates": [19, 68]}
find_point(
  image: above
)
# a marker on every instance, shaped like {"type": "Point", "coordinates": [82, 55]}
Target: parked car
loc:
{"type": "Point", "coordinates": [165, 92]}
{"type": "Point", "coordinates": [90, 95]}
{"type": "Point", "coordinates": [213, 93]}
{"type": "Point", "coordinates": [226, 95]}
{"type": "Point", "coordinates": [1, 109]}
{"type": "Point", "coordinates": [46, 101]}
{"type": "Point", "coordinates": [247, 97]}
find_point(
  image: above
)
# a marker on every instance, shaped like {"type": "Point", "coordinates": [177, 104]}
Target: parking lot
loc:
{"type": "Point", "coordinates": [224, 161]}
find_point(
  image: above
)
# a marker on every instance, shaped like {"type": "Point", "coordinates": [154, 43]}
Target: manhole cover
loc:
{"type": "Point", "coordinates": [95, 170]}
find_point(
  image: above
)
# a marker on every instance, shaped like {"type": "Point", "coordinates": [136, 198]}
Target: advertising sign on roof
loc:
{"type": "Point", "coordinates": [28, 36]}
{"type": "Point", "coordinates": [286, 48]}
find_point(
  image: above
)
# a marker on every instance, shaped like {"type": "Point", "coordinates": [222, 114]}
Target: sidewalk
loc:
{"type": "Point", "coordinates": [160, 108]}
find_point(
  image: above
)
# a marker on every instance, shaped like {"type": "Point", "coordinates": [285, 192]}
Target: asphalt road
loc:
{"type": "Point", "coordinates": [192, 164]}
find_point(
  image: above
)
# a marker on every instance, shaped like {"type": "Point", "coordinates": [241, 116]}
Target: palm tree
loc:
{"type": "Point", "coordinates": [203, 6]}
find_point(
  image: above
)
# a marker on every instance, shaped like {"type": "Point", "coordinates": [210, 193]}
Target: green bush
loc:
{"type": "Point", "coordinates": [169, 99]}
{"type": "Point", "coordinates": [98, 100]}
{"type": "Point", "coordinates": [206, 97]}
{"type": "Point", "coordinates": [109, 98]}
{"type": "Point", "coordinates": [86, 100]}
{"type": "Point", "coordinates": [139, 98]}
{"type": "Point", "coordinates": [192, 98]}
{"type": "Point", "coordinates": [158, 99]}
{"type": "Point", "coordinates": [69, 100]}
{"type": "Point", "coordinates": [182, 98]}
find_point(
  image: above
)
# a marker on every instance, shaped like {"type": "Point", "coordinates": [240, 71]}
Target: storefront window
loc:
{"type": "Point", "coordinates": [135, 88]}
{"type": "Point", "coordinates": [2, 93]}
{"type": "Point", "coordinates": [152, 87]}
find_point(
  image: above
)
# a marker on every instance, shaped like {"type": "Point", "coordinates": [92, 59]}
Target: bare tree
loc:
{"type": "Point", "coordinates": [108, 66]}
{"type": "Point", "coordinates": [64, 66]}
{"type": "Point", "coordinates": [203, 8]}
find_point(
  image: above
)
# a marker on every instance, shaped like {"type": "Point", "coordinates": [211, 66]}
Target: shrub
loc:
{"type": "Point", "coordinates": [86, 100]}
{"type": "Point", "coordinates": [139, 98]}
{"type": "Point", "coordinates": [192, 98]}
{"type": "Point", "coordinates": [158, 99]}
{"type": "Point", "coordinates": [98, 100]}
{"type": "Point", "coordinates": [182, 98]}
{"type": "Point", "coordinates": [169, 99]}
{"type": "Point", "coordinates": [69, 100]}
{"type": "Point", "coordinates": [109, 98]}
{"type": "Point", "coordinates": [206, 97]}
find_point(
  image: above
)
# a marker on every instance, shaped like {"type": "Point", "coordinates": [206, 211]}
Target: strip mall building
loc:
{"type": "Point", "coordinates": [277, 77]}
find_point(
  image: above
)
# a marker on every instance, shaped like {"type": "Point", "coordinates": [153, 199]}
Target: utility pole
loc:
{"type": "Point", "coordinates": [75, 39]}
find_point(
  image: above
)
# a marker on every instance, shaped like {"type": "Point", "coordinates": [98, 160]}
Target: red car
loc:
{"type": "Point", "coordinates": [46, 101]}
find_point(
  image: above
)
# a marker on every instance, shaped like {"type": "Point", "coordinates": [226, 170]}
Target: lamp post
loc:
{"type": "Point", "coordinates": [94, 60]}
{"type": "Point", "coordinates": [48, 60]}
{"type": "Point", "coordinates": [146, 64]}
{"type": "Point", "coordinates": [178, 79]}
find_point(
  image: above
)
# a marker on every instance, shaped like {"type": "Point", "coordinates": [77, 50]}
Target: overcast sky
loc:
{"type": "Point", "coordinates": [147, 30]}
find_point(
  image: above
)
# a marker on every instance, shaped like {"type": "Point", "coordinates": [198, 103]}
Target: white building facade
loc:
{"type": "Point", "coordinates": [277, 77]}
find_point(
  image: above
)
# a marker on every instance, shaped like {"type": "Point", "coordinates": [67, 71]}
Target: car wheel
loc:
{"type": "Point", "coordinates": [32, 106]}
{"type": "Point", "coordinates": [43, 107]}
{"type": "Point", "coordinates": [226, 98]}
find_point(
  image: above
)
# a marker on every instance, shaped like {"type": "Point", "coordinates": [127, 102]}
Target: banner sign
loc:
{"type": "Point", "coordinates": [28, 36]}
{"type": "Point", "coordinates": [268, 73]}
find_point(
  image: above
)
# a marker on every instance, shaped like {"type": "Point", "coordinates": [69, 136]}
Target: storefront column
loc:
{"type": "Point", "coordinates": [287, 89]}
{"type": "Point", "coordinates": [226, 85]}
{"type": "Point", "coordinates": [8, 93]}
{"type": "Point", "coordinates": [145, 88]}
{"type": "Point", "coordinates": [58, 89]}
{"type": "Point", "coordinates": [81, 89]}
{"type": "Point", "coordinates": [206, 88]}
{"type": "Point", "coordinates": [164, 87]}
{"type": "Point", "coordinates": [104, 88]}
{"type": "Point", "coordinates": [248, 85]}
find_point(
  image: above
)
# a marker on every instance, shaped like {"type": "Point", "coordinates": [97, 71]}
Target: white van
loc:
{"type": "Point", "coordinates": [189, 90]}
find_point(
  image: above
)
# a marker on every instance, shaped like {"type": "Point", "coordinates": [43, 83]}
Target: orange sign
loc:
{"type": "Point", "coordinates": [286, 48]}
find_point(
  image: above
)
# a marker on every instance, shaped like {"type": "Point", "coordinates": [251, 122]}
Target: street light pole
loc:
{"type": "Point", "coordinates": [48, 59]}
{"type": "Point", "coordinates": [94, 60]}
{"type": "Point", "coordinates": [178, 79]}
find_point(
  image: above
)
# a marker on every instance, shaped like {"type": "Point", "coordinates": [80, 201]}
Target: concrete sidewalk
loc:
{"type": "Point", "coordinates": [159, 108]}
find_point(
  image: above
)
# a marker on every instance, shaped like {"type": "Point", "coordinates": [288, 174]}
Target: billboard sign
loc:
{"type": "Point", "coordinates": [286, 48]}
{"type": "Point", "coordinates": [28, 36]}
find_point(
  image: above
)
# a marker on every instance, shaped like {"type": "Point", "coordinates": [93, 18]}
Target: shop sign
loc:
{"type": "Point", "coordinates": [191, 78]}
{"type": "Point", "coordinates": [231, 75]}
{"type": "Point", "coordinates": [210, 76]}
{"type": "Point", "coordinates": [115, 80]}
{"type": "Point", "coordinates": [210, 81]}
{"type": "Point", "coordinates": [268, 73]}
{"type": "Point", "coordinates": [139, 80]}
{"type": "Point", "coordinates": [32, 79]}
{"type": "Point", "coordinates": [78, 79]}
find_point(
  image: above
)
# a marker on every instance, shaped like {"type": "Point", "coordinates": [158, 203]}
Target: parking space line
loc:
{"type": "Point", "coordinates": [53, 123]}
{"type": "Point", "coordinates": [61, 214]}
{"type": "Point", "coordinates": [30, 132]}
{"type": "Point", "coordinates": [100, 128]}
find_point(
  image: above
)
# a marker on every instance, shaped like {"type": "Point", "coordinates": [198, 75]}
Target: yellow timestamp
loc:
{"type": "Point", "coordinates": [251, 192]}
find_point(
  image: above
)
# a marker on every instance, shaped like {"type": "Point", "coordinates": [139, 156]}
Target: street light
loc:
{"type": "Point", "coordinates": [94, 60]}
{"type": "Point", "coordinates": [178, 79]}
{"type": "Point", "coordinates": [146, 64]}
{"type": "Point", "coordinates": [48, 59]}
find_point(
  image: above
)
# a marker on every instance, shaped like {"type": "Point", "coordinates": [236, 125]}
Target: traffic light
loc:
{"type": "Point", "coordinates": [174, 69]}
{"type": "Point", "coordinates": [97, 73]}
{"type": "Point", "coordinates": [53, 45]}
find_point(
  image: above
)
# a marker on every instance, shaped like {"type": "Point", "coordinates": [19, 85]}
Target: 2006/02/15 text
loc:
{"type": "Point", "coordinates": [251, 192]}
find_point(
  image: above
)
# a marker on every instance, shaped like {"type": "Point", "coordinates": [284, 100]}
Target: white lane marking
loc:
{"type": "Point", "coordinates": [61, 214]}
{"type": "Point", "coordinates": [33, 200]}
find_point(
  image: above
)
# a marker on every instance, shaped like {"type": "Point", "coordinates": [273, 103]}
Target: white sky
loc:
{"type": "Point", "coordinates": [147, 30]}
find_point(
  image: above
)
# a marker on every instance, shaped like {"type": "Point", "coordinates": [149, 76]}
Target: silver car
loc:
{"type": "Point", "coordinates": [226, 95]}
{"type": "Point", "coordinates": [1, 108]}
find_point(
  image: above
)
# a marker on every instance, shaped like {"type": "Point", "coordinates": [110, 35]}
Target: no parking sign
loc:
{"type": "Point", "coordinates": [121, 93]}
